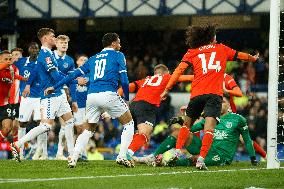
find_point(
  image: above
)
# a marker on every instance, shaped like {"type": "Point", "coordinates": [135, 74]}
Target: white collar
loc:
{"type": "Point", "coordinates": [47, 49]}
{"type": "Point", "coordinates": [28, 60]}
{"type": "Point", "coordinates": [57, 56]}
{"type": "Point", "coordinates": [108, 48]}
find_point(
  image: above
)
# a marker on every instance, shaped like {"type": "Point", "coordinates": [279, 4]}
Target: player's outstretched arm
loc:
{"type": "Point", "coordinates": [185, 78]}
{"type": "Point", "coordinates": [247, 57]}
{"type": "Point", "coordinates": [174, 78]}
{"type": "Point", "coordinates": [247, 140]}
{"type": "Point", "coordinates": [125, 85]}
{"type": "Point", "coordinates": [236, 91]}
{"type": "Point", "coordinates": [132, 88]}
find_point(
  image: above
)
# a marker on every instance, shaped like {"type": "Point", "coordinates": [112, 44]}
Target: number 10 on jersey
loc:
{"type": "Point", "coordinates": [99, 68]}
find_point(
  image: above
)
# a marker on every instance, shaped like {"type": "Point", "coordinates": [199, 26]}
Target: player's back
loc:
{"type": "Point", "coordinates": [46, 64]}
{"type": "Point", "coordinates": [104, 70]}
{"type": "Point", "coordinates": [151, 88]}
{"type": "Point", "coordinates": [209, 64]}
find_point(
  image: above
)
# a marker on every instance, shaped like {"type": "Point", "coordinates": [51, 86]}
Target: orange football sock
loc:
{"type": "Point", "coordinates": [206, 143]}
{"type": "Point", "coordinates": [138, 141]}
{"type": "Point", "coordinates": [182, 137]}
{"type": "Point", "coordinates": [258, 149]}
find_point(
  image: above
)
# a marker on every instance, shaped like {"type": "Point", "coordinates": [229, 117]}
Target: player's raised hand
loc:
{"type": "Point", "coordinates": [26, 91]}
{"type": "Point", "coordinates": [82, 81]}
{"type": "Point", "coordinates": [48, 91]}
{"type": "Point", "coordinates": [256, 56]}
{"type": "Point", "coordinates": [164, 95]}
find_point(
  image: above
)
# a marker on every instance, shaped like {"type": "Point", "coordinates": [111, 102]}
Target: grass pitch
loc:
{"type": "Point", "coordinates": [107, 174]}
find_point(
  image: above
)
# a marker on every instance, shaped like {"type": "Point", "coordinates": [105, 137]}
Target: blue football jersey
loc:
{"type": "Point", "coordinates": [26, 67]}
{"type": "Point", "coordinates": [65, 63]}
{"type": "Point", "coordinates": [48, 71]}
{"type": "Point", "coordinates": [82, 92]}
{"type": "Point", "coordinates": [104, 69]}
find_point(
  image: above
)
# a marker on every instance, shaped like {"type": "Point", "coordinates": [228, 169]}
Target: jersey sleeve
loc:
{"type": "Point", "coordinates": [121, 62]}
{"type": "Point", "coordinates": [231, 53]}
{"type": "Point", "coordinates": [245, 134]}
{"type": "Point", "coordinates": [177, 73]}
{"type": "Point", "coordinates": [85, 68]}
{"type": "Point", "coordinates": [48, 62]}
{"type": "Point", "coordinates": [198, 126]}
{"type": "Point", "coordinates": [230, 83]}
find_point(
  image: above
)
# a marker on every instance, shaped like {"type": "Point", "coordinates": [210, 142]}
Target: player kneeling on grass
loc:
{"type": "Point", "coordinates": [224, 146]}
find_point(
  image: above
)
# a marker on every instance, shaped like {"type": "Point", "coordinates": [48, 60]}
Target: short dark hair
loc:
{"type": "Point", "coordinates": [17, 49]}
{"type": "Point", "coordinates": [197, 36]}
{"type": "Point", "coordinates": [77, 56]}
{"type": "Point", "coordinates": [108, 38]}
{"type": "Point", "coordinates": [32, 43]}
{"type": "Point", "coordinates": [44, 31]}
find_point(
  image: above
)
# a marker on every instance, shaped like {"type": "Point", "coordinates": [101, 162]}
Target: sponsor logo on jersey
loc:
{"type": "Point", "coordinates": [220, 135]}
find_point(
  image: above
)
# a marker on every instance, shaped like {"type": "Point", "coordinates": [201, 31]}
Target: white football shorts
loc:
{"type": "Point", "coordinates": [79, 116]}
{"type": "Point", "coordinates": [98, 103]}
{"type": "Point", "coordinates": [54, 107]}
{"type": "Point", "coordinates": [29, 107]}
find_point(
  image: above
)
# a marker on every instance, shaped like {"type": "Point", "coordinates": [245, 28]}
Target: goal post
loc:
{"type": "Point", "coordinates": [274, 33]}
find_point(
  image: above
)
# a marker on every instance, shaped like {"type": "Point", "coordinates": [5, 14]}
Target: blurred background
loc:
{"type": "Point", "coordinates": [151, 32]}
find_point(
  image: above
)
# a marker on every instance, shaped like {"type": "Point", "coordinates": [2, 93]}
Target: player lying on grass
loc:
{"type": "Point", "coordinates": [224, 146]}
{"type": "Point", "coordinates": [208, 59]}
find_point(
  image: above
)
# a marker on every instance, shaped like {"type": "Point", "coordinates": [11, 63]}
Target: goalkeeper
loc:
{"type": "Point", "coordinates": [224, 146]}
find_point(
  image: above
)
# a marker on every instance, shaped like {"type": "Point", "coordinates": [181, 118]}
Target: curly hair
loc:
{"type": "Point", "coordinates": [197, 36]}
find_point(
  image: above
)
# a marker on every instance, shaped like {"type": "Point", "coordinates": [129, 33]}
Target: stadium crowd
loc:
{"type": "Point", "coordinates": [146, 50]}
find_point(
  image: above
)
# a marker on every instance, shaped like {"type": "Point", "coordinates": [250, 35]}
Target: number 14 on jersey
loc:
{"type": "Point", "coordinates": [211, 65]}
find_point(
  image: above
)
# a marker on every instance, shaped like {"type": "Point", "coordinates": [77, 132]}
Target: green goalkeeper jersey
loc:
{"type": "Point", "coordinates": [227, 134]}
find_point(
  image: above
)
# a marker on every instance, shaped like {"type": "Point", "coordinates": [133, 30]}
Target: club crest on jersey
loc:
{"type": "Point", "coordinates": [229, 125]}
{"type": "Point", "coordinates": [65, 65]}
{"type": "Point", "coordinates": [48, 60]}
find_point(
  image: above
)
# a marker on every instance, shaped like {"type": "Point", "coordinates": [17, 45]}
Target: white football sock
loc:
{"type": "Point", "coordinates": [126, 138]}
{"type": "Point", "coordinates": [36, 131]}
{"type": "Point", "coordinates": [81, 143]}
{"type": "Point", "coordinates": [43, 143]}
{"type": "Point", "coordinates": [60, 141]}
{"type": "Point", "coordinates": [21, 133]}
{"type": "Point", "coordinates": [69, 135]}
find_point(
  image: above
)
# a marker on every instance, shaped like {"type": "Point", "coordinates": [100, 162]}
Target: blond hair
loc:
{"type": "Point", "coordinates": [63, 37]}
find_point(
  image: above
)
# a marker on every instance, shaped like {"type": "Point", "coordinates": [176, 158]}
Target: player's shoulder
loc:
{"type": "Point", "coordinates": [228, 77]}
{"type": "Point", "coordinates": [238, 116]}
{"type": "Point", "coordinates": [69, 58]}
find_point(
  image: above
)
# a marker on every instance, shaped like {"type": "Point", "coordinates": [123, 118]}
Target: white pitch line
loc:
{"type": "Point", "coordinates": [19, 180]}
